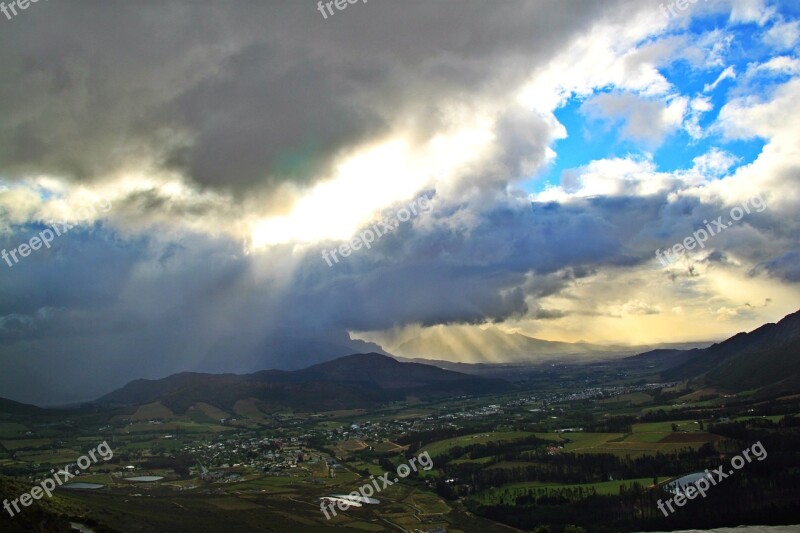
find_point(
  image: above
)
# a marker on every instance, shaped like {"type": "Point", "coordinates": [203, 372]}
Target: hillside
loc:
{"type": "Point", "coordinates": [45, 515]}
{"type": "Point", "coordinates": [385, 372]}
{"type": "Point", "coordinates": [765, 358]}
{"type": "Point", "coordinates": [16, 408]}
{"type": "Point", "coordinates": [661, 360]}
{"type": "Point", "coordinates": [361, 380]}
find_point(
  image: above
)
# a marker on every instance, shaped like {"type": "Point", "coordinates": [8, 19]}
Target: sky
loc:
{"type": "Point", "coordinates": [201, 186]}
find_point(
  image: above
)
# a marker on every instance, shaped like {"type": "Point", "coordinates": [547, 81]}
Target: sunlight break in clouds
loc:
{"type": "Point", "coordinates": [561, 144]}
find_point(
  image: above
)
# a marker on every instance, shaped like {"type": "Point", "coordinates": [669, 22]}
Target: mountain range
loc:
{"type": "Point", "coordinates": [767, 358]}
{"type": "Point", "coordinates": [360, 380]}
{"type": "Point", "coordinates": [494, 346]}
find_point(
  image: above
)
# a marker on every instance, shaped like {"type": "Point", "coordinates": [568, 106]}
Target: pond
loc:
{"type": "Point", "coordinates": [82, 486]}
{"type": "Point", "coordinates": [80, 527]}
{"type": "Point", "coordinates": [679, 485]}
{"type": "Point", "coordinates": [144, 479]}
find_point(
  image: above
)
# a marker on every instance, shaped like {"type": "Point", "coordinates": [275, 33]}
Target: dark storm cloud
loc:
{"type": "Point", "coordinates": [548, 314]}
{"type": "Point", "coordinates": [152, 307]}
{"type": "Point", "coordinates": [441, 276]}
{"type": "Point", "coordinates": [129, 309]}
{"type": "Point", "coordinates": [247, 95]}
{"type": "Point", "coordinates": [786, 267]}
{"type": "Point", "coordinates": [243, 97]}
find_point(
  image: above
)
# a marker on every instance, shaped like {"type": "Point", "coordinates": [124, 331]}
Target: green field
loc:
{"type": "Point", "coordinates": [634, 398]}
{"type": "Point", "coordinates": [427, 503]}
{"type": "Point", "coordinates": [773, 418]}
{"type": "Point", "coordinates": [645, 438]}
{"type": "Point", "coordinates": [588, 441]}
{"type": "Point", "coordinates": [171, 427]}
{"type": "Point", "coordinates": [555, 437]}
{"type": "Point", "coordinates": [666, 427]}
{"type": "Point", "coordinates": [440, 447]}
{"type": "Point", "coordinates": [508, 493]}
{"type": "Point", "coordinates": [11, 430]}
{"type": "Point", "coordinates": [52, 457]}
{"type": "Point", "coordinates": [31, 444]}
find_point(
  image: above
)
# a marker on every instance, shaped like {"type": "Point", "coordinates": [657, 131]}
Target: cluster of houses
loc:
{"type": "Point", "coordinates": [271, 455]}
{"type": "Point", "coordinates": [588, 393]}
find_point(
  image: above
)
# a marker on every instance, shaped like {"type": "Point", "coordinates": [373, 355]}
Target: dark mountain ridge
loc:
{"type": "Point", "coordinates": [17, 408]}
{"type": "Point", "coordinates": [359, 380]}
{"type": "Point", "coordinates": [766, 358]}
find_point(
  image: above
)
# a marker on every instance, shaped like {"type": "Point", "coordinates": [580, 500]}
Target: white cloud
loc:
{"type": "Point", "coordinates": [783, 35]}
{"type": "Point", "coordinates": [609, 177]}
{"type": "Point", "coordinates": [755, 11]}
{"type": "Point", "coordinates": [635, 307]}
{"type": "Point", "coordinates": [751, 116]}
{"type": "Point", "coordinates": [728, 73]}
{"type": "Point", "coordinates": [715, 163]}
{"type": "Point", "coordinates": [646, 120]}
{"type": "Point", "coordinates": [708, 50]}
{"type": "Point", "coordinates": [612, 54]}
{"type": "Point", "coordinates": [780, 65]}
{"type": "Point", "coordinates": [699, 106]}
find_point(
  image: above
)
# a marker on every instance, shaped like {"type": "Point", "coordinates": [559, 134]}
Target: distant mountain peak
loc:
{"type": "Point", "coordinates": [468, 344]}
{"type": "Point", "coordinates": [766, 358]}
